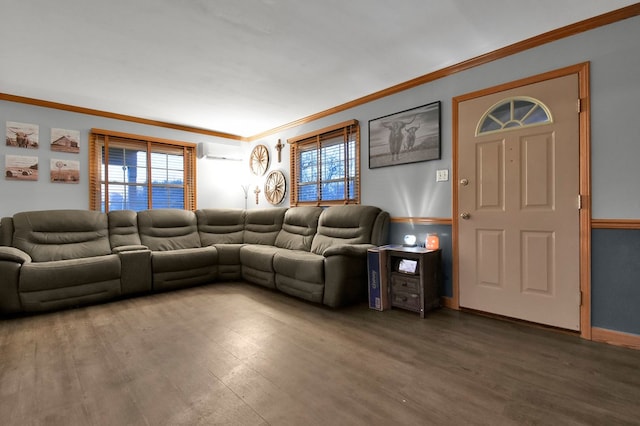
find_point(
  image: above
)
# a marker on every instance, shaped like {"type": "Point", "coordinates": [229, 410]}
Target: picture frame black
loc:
{"type": "Point", "coordinates": [408, 136]}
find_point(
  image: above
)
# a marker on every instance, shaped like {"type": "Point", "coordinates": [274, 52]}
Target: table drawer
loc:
{"type": "Point", "coordinates": [405, 283]}
{"type": "Point", "coordinates": [404, 300]}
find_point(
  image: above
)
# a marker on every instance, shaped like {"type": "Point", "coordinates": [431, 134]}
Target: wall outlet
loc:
{"type": "Point", "coordinates": [442, 175]}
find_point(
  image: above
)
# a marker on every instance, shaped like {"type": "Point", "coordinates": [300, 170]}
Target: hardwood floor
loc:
{"type": "Point", "coordinates": [239, 354]}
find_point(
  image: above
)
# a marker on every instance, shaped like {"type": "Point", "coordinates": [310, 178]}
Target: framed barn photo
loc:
{"type": "Point", "coordinates": [64, 140]}
{"type": "Point", "coordinates": [405, 137]}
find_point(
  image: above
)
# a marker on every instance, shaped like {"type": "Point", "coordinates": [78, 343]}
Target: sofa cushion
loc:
{"type": "Point", "coordinates": [168, 229]}
{"type": "Point", "coordinates": [299, 265]}
{"type": "Point", "coordinates": [220, 226]}
{"type": "Point", "coordinates": [298, 229]}
{"type": "Point", "coordinates": [184, 267]}
{"type": "Point", "coordinates": [229, 266]}
{"type": "Point", "coordinates": [259, 257]}
{"type": "Point", "coordinates": [228, 254]}
{"type": "Point", "coordinates": [37, 276]}
{"type": "Point", "coordinates": [61, 234]}
{"type": "Point", "coordinates": [123, 228]}
{"type": "Point", "coordinates": [300, 274]}
{"type": "Point", "coordinates": [263, 225]}
{"type": "Point", "coordinates": [184, 259]}
{"type": "Point", "coordinates": [351, 224]}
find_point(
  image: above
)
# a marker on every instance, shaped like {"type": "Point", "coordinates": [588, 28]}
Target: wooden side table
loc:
{"type": "Point", "coordinates": [414, 278]}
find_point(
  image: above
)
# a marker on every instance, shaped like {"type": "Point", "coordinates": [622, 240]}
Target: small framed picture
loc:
{"type": "Point", "coordinates": [22, 135]}
{"type": "Point", "coordinates": [63, 140]}
{"type": "Point", "coordinates": [65, 171]}
{"type": "Point", "coordinates": [20, 167]}
{"type": "Point", "coordinates": [405, 137]}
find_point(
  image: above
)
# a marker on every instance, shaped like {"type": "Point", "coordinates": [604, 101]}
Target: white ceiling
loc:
{"type": "Point", "coordinates": [248, 66]}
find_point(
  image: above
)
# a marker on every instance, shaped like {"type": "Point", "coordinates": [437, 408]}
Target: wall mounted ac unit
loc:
{"type": "Point", "coordinates": [220, 151]}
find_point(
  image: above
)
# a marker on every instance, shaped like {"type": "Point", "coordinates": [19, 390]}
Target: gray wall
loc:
{"type": "Point", "coordinates": [213, 175]}
{"type": "Point", "coordinates": [614, 53]}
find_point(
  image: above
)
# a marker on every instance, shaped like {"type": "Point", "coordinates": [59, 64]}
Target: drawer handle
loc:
{"type": "Point", "coordinates": [405, 298]}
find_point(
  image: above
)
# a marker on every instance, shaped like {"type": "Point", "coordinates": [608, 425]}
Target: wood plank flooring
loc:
{"type": "Point", "coordinates": [237, 354]}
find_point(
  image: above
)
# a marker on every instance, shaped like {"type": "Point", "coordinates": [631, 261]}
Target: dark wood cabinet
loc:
{"type": "Point", "coordinates": [414, 278]}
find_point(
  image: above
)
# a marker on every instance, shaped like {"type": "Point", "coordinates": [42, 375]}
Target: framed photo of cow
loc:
{"type": "Point", "coordinates": [408, 136]}
{"type": "Point", "coordinates": [22, 135]}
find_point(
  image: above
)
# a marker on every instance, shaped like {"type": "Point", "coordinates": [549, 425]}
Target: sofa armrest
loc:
{"type": "Point", "coordinates": [135, 272]}
{"type": "Point", "coordinates": [351, 250]}
{"type": "Point", "coordinates": [13, 254]}
{"type": "Point", "coordinates": [122, 249]}
{"type": "Point", "coordinates": [11, 261]}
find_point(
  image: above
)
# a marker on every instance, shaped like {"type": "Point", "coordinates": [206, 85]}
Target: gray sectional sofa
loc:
{"type": "Point", "coordinates": [56, 259]}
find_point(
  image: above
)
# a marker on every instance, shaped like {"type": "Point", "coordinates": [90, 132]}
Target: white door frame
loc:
{"type": "Point", "coordinates": [585, 181]}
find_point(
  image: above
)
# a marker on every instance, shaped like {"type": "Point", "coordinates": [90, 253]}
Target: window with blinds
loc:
{"type": "Point", "coordinates": [130, 172]}
{"type": "Point", "coordinates": [325, 166]}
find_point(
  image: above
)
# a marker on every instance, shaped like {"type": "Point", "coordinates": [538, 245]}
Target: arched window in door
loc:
{"type": "Point", "coordinates": [516, 112]}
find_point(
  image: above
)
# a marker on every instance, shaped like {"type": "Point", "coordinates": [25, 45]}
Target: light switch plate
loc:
{"type": "Point", "coordinates": [442, 175]}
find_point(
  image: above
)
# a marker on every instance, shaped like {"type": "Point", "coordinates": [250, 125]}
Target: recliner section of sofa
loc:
{"type": "Point", "coordinates": [336, 258]}
{"type": "Point", "coordinates": [178, 259]}
{"type": "Point", "coordinates": [69, 260]}
{"type": "Point", "coordinates": [261, 229]}
{"type": "Point", "coordinates": [63, 258]}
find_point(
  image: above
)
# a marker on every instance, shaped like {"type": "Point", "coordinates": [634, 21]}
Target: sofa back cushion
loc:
{"type": "Point", "coordinates": [6, 231]}
{"type": "Point", "coordinates": [220, 226]}
{"type": "Point", "coordinates": [50, 235]}
{"type": "Point", "coordinates": [380, 232]}
{"type": "Point", "coordinates": [123, 228]}
{"type": "Point", "coordinates": [299, 227]}
{"type": "Point", "coordinates": [263, 225]}
{"type": "Point", "coordinates": [168, 229]}
{"type": "Point", "coordinates": [350, 224]}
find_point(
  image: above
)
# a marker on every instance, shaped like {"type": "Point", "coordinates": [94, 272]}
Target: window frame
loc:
{"type": "Point", "coordinates": [513, 123]}
{"type": "Point", "coordinates": [348, 130]}
{"type": "Point", "coordinates": [100, 137]}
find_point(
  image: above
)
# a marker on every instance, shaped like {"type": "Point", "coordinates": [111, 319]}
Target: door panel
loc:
{"type": "Point", "coordinates": [538, 262]}
{"type": "Point", "coordinates": [490, 157]}
{"type": "Point", "coordinates": [490, 261]}
{"type": "Point", "coordinates": [538, 177]}
{"type": "Point", "coordinates": [519, 244]}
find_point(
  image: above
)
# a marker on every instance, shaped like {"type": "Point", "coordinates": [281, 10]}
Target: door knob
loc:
{"type": "Point", "coordinates": [464, 182]}
{"type": "Point", "coordinates": [465, 215]}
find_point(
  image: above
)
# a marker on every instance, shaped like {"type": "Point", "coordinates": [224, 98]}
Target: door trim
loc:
{"type": "Point", "coordinates": [582, 70]}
